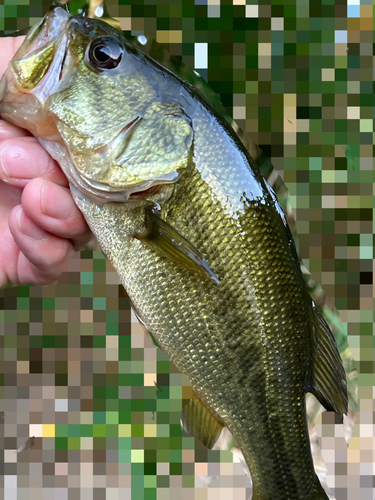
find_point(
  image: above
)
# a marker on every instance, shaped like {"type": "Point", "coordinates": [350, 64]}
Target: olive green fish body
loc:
{"type": "Point", "coordinates": [246, 343]}
{"type": "Point", "coordinates": [195, 233]}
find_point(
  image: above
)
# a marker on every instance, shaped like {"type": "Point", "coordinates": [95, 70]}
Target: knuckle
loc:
{"type": "Point", "coordinates": [52, 257]}
{"type": "Point", "coordinates": [60, 255]}
{"type": "Point", "coordinates": [74, 227]}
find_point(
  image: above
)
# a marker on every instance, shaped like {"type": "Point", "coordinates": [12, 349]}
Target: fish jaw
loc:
{"type": "Point", "coordinates": [35, 73]}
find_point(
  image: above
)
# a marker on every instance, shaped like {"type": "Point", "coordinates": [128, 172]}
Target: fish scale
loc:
{"type": "Point", "coordinates": [202, 246]}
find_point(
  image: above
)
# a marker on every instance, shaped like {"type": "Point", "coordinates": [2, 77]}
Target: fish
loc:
{"type": "Point", "coordinates": [196, 234]}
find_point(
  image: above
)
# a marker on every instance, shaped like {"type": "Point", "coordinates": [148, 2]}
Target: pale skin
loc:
{"type": "Point", "coordinates": [40, 225]}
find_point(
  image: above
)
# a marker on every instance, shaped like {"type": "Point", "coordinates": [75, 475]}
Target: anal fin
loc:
{"type": "Point", "coordinates": [328, 379]}
{"type": "Point", "coordinates": [198, 421]}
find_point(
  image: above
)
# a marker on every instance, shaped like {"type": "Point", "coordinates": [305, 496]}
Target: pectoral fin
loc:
{"type": "Point", "coordinates": [198, 421]}
{"type": "Point", "coordinates": [329, 379]}
{"type": "Point", "coordinates": [170, 243]}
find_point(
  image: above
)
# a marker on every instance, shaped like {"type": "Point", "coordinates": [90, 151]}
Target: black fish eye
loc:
{"type": "Point", "coordinates": [105, 53]}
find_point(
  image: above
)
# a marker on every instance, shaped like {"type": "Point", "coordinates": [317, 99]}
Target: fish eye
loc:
{"type": "Point", "coordinates": [105, 53]}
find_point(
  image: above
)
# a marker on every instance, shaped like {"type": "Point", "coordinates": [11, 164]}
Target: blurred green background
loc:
{"type": "Point", "coordinates": [76, 370]}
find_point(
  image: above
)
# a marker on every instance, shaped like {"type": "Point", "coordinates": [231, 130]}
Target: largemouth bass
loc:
{"type": "Point", "coordinates": [196, 234]}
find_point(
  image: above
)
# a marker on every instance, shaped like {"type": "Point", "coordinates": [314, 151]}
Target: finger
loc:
{"type": "Point", "coordinates": [8, 131]}
{"type": "Point", "coordinates": [52, 208]}
{"type": "Point", "coordinates": [23, 159]}
{"type": "Point", "coordinates": [44, 256]}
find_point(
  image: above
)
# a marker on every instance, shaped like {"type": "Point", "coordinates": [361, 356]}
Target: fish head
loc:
{"type": "Point", "coordinates": [102, 108]}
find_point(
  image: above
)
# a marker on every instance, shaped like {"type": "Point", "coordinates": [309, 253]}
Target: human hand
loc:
{"type": "Point", "coordinates": [40, 225]}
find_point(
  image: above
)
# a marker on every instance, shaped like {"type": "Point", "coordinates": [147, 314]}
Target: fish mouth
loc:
{"type": "Point", "coordinates": [38, 59]}
{"type": "Point", "coordinates": [42, 54]}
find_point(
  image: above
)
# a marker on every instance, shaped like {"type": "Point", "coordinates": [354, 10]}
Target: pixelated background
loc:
{"type": "Point", "coordinates": [77, 373]}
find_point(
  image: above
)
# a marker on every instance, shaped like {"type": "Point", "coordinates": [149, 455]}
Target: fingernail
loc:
{"type": "Point", "coordinates": [57, 201]}
{"type": "Point", "coordinates": [22, 159]}
{"type": "Point", "coordinates": [27, 227]}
